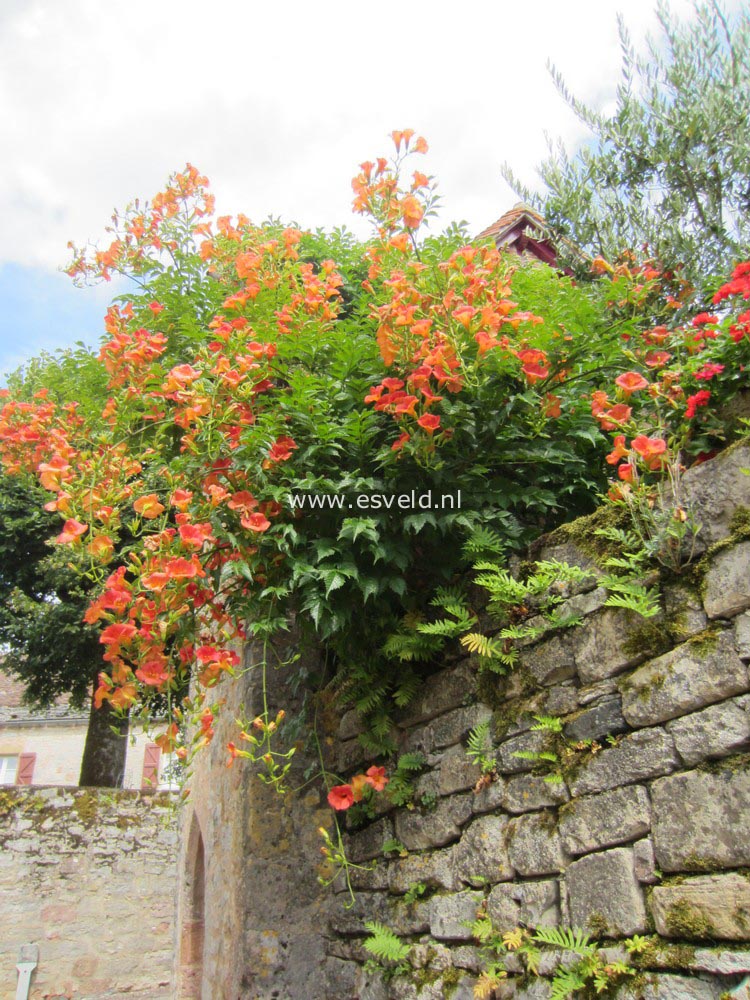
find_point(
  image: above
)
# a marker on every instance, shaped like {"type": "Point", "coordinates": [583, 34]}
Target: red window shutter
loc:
{"type": "Point", "coordinates": [25, 773]}
{"type": "Point", "coordinates": [151, 756]}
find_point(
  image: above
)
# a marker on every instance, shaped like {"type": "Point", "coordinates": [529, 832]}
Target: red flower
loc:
{"type": "Point", "coordinates": [255, 522]}
{"type": "Point", "coordinates": [631, 382]}
{"type": "Point", "coordinates": [72, 531]}
{"type": "Point", "coordinates": [341, 797]}
{"type": "Point", "coordinates": [148, 507]}
{"type": "Point", "coordinates": [702, 318]}
{"type": "Point", "coordinates": [377, 778]}
{"type": "Point", "coordinates": [708, 371]}
{"type": "Point", "coordinates": [400, 442]}
{"type": "Point", "coordinates": [650, 450]}
{"type": "Point", "coordinates": [429, 422]}
{"type": "Point", "coordinates": [699, 399]}
{"type": "Point", "coordinates": [620, 451]}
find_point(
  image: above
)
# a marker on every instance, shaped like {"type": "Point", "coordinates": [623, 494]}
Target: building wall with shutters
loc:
{"type": "Point", "coordinates": [58, 747]}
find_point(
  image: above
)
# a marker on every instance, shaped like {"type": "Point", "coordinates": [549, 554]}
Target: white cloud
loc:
{"type": "Point", "coordinates": [279, 103]}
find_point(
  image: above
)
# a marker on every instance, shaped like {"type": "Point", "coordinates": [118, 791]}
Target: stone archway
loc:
{"type": "Point", "coordinates": [192, 929]}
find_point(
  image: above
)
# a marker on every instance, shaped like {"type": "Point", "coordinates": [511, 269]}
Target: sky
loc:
{"type": "Point", "coordinates": [277, 104]}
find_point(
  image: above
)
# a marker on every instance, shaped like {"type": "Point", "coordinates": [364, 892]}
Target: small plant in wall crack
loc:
{"type": "Point", "coordinates": [582, 966]}
{"type": "Point", "coordinates": [480, 751]}
{"type": "Point", "coordinates": [391, 955]}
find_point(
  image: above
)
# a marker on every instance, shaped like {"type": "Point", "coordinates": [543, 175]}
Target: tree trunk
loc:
{"type": "Point", "coordinates": [103, 763]}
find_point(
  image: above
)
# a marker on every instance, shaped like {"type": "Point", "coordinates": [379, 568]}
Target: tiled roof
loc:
{"type": "Point", "coordinates": [519, 213]}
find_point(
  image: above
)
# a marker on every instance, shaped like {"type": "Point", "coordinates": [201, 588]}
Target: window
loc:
{"type": "Point", "coordinates": [170, 773]}
{"type": "Point", "coordinates": [8, 770]}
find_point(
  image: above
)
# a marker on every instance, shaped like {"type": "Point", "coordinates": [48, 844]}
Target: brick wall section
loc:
{"type": "Point", "coordinates": [88, 875]}
{"type": "Point", "coordinates": [648, 831]}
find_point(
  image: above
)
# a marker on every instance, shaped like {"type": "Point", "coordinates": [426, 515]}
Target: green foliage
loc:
{"type": "Point", "coordinates": [512, 601]}
{"type": "Point", "coordinates": [415, 892]}
{"type": "Point", "coordinates": [400, 789]}
{"type": "Point", "coordinates": [390, 953]}
{"type": "Point", "coordinates": [582, 966]}
{"type": "Point", "coordinates": [479, 748]}
{"type": "Point", "coordinates": [670, 167]}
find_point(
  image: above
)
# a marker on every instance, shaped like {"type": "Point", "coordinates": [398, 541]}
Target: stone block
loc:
{"type": "Point", "coordinates": [529, 792]}
{"type": "Point", "coordinates": [490, 798]}
{"type": "Point", "coordinates": [614, 817]}
{"type": "Point", "coordinates": [534, 846]}
{"type": "Point", "coordinates": [550, 660]}
{"type": "Point", "coordinates": [351, 754]}
{"type": "Point", "coordinates": [715, 732]}
{"type": "Point", "coordinates": [708, 906]}
{"type": "Point", "coordinates": [598, 691]}
{"type": "Point", "coordinates": [604, 894]}
{"type": "Point", "coordinates": [598, 644]}
{"type": "Point", "coordinates": [714, 490]}
{"type": "Point", "coordinates": [440, 693]}
{"type": "Point", "coordinates": [351, 725]}
{"type": "Point", "coordinates": [742, 635]}
{"type": "Point", "coordinates": [720, 961]}
{"type": "Point", "coordinates": [483, 851]}
{"type": "Point", "coordinates": [670, 987]}
{"type": "Point", "coordinates": [450, 915]}
{"type": "Point", "coordinates": [561, 699]}
{"type": "Point", "coordinates": [435, 868]}
{"type": "Point", "coordinates": [684, 610]}
{"type": "Point", "coordinates": [530, 904]}
{"type": "Point", "coordinates": [457, 773]}
{"type": "Point", "coordinates": [453, 727]}
{"type": "Point", "coordinates": [340, 978]}
{"type": "Point", "coordinates": [687, 678]}
{"type": "Point", "coordinates": [598, 722]}
{"type": "Point", "coordinates": [646, 754]}
{"type": "Point", "coordinates": [701, 819]}
{"type": "Point", "coordinates": [644, 860]}
{"type": "Point", "coordinates": [364, 845]}
{"type": "Point", "coordinates": [727, 582]}
{"type": "Point", "coordinates": [418, 831]}
{"type": "Point", "coordinates": [532, 742]}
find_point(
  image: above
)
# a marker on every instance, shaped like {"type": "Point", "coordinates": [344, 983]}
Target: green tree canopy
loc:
{"type": "Point", "coordinates": [670, 169]}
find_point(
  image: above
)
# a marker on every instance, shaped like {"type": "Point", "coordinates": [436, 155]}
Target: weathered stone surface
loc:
{"type": "Point", "coordinates": [435, 868]}
{"type": "Point", "coordinates": [562, 699]}
{"type": "Point", "coordinates": [687, 678]}
{"type": "Point", "coordinates": [645, 754]}
{"type": "Point", "coordinates": [614, 817]}
{"type": "Point", "coordinates": [715, 490]}
{"type": "Point", "coordinates": [669, 987]}
{"type": "Point", "coordinates": [351, 725]}
{"type": "Point", "coordinates": [727, 582]}
{"type": "Point", "coordinates": [720, 961]}
{"type": "Point", "coordinates": [417, 832]}
{"type": "Point", "coordinates": [701, 820]}
{"type": "Point", "coordinates": [483, 852]}
{"type": "Point", "coordinates": [550, 661]}
{"type": "Point", "coordinates": [453, 727]}
{"type": "Point", "coordinates": [351, 754]}
{"type": "Point", "coordinates": [528, 792]}
{"type": "Point", "coordinates": [350, 920]}
{"type": "Point", "coordinates": [531, 904]}
{"type": "Point", "coordinates": [708, 906]}
{"type": "Point", "coordinates": [644, 861]}
{"type": "Point", "coordinates": [604, 894]}
{"type": "Point", "coordinates": [457, 773]}
{"type": "Point", "coordinates": [534, 845]}
{"type": "Point", "coordinates": [532, 742]}
{"type": "Point", "coordinates": [715, 732]}
{"type": "Point", "coordinates": [341, 978]}
{"type": "Point", "coordinates": [364, 845]}
{"type": "Point", "coordinates": [742, 635]}
{"type": "Point", "coordinates": [450, 915]}
{"type": "Point", "coordinates": [490, 797]}
{"type": "Point", "coordinates": [467, 957]}
{"type": "Point", "coordinates": [683, 610]}
{"type": "Point", "coordinates": [598, 691]}
{"type": "Point", "coordinates": [440, 693]}
{"type": "Point", "coordinates": [598, 645]}
{"type": "Point", "coordinates": [371, 878]}
{"type": "Point", "coordinates": [598, 722]}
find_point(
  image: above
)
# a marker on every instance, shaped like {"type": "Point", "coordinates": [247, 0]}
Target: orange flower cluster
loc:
{"type": "Point", "coordinates": [342, 797]}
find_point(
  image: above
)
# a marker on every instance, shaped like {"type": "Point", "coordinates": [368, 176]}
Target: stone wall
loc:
{"type": "Point", "coordinates": [88, 876]}
{"type": "Point", "coordinates": [647, 830]}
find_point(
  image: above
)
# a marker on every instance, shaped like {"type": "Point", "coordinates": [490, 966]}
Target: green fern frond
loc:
{"type": "Point", "coordinates": [384, 944]}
